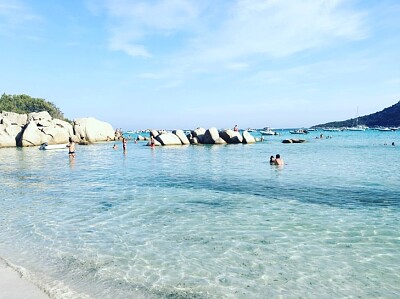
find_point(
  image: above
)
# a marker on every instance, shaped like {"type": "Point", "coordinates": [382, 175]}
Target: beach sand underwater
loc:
{"type": "Point", "coordinates": [204, 221]}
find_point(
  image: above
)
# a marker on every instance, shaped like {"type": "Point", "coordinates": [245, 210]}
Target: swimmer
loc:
{"type": "Point", "coordinates": [71, 147]}
{"type": "Point", "coordinates": [278, 160]}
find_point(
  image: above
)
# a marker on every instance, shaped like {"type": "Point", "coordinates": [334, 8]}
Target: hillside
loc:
{"type": "Point", "coordinates": [388, 117]}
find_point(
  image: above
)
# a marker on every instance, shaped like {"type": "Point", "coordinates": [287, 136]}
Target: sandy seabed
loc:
{"type": "Point", "coordinates": [13, 286]}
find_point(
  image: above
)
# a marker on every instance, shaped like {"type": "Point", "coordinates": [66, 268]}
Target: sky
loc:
{"type": "Point", "coordinates": [183, 64]}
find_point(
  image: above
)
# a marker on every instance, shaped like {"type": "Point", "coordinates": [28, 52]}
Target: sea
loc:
{"type": "Point", "coordinates": [207, 221]}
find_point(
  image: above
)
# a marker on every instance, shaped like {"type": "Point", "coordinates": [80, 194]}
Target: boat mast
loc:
{"type": "Point", "coordinates": [357, 118]}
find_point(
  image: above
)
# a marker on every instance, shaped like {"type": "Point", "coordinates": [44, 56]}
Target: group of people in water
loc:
{"type": "Point", "coordinates": [277, 160]}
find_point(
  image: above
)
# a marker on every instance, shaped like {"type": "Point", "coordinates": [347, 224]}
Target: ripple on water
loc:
{"type": "Point", "coordinates": [152, 225]}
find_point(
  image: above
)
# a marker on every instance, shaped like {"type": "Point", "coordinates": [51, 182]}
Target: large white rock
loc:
{"type": "Point", "coordinates": [42, 119]}
{"type": "Point", "coordinates": [31, 135]}
{"type": "Point", "coordinates": [248, 138]}
{"type": "Point", "coordinates": [211, 136]}
{"type": "Point", "coordinates": [220, 141]}
{"type": "Point", "coordinates": [181, 135]}
{"type": "Point", "coordinates": [154, 133]}
{"type": "Point", "coordinates": [57, 123]}
{"type": "Point", "coordinates": [156, 143]}
{"type": "Point", "coordinates": [199, 133]}
{"type": "Point", "coordinates": [8, 135]}
{"type": "Point", "coordinates": [231, 136]}
{"type": "Point", "coordinates": [55, 134]}
{"type": "Point", "coordinates": [194, 140]}
{"type": "Point", "coordinates": [93, 130]}
{"type": "Point", "coordinates": [13, 118]}
{"type": "Point", "coordinates": [11, 126]}
{"type": "Point", "coordinates": [169, 139]}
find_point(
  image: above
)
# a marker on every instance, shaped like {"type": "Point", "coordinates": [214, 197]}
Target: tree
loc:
{"type": "Point", "coordinates": [24, 104]}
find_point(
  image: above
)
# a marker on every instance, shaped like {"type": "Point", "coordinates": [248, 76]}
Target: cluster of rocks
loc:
{"type": "Point", "coordinates": [36, 128]}
{"type": "Point", "coordinates": [200, 136]}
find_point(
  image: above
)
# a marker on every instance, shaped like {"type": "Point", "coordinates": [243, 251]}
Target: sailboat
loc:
{"type": "Point", "coordinates": [357, 127]}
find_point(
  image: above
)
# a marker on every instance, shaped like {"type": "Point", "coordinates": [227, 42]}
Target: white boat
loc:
{"type": "Point", "coordinates": [268, 131]}
{"type": "Point", "coordinates": [46, 147]}
{"type": "Point", "coordinates": [357, 128]}
{"type": "Point", "coordinates": [331, 129]}
{"type": "Point", "coordinates": [384, 129]}
{"type": "Point", "coordinates": [299, 131]}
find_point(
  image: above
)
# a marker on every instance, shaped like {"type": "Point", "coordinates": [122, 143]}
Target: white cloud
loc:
{"type": "Point", "coordinates": [16, 19]}
{"type": "Point", "coordinates": [279, 28]}
{"type": "Point", "coordinates": [132, 22]}
{"type": "Point", "coordinates": [200, 36]}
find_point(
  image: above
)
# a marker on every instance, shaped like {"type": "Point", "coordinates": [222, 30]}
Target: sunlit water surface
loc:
{"type": "Point", "coordinates": [207, 221]}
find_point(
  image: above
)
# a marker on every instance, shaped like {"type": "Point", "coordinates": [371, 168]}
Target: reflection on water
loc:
{"type": "Point", "coordinates": [71, 162]}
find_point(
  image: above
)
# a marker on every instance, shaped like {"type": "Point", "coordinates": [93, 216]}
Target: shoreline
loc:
{"type": "Point", "coordinates": [15, 285]}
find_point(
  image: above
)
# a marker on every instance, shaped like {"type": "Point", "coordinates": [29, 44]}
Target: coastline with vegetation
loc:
{"type": "Point", "coordinates": [26, 121]}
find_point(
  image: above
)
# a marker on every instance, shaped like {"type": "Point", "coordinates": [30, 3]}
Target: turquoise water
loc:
{"type": "Point", "coordinates": [207, 221]}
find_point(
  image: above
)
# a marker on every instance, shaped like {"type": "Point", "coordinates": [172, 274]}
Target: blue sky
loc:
{"type": "Point", "coordinates": [185, 63]}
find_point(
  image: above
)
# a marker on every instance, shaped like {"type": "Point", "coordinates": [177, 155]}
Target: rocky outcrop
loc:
{"type": "Point", "coordinates": [181, 135]}
{"type": "Point", "coordinates": [42, 119]}
{"type": "Point", "coordinates": [199, 134]}
{"type": "Point", "coordinates": [154, 133]}
{"type": "Point", "coordinates": [36, 128]}
{"type": "Point", "coordinates": [93, 130]}
{"type": "Point", "coordinates": [8, 135]}
{"type": "Point", "coordinates": [211, 136]}
{"type": "Point", "coordinates": [202, 136]}
{"type": "Point", "coordinates": [58, 132]}
{"type": "Point", "coordinates": [231, 136]}
{"type": "Point", "coordinates": [156, 143]}
{"type": "Point", "coordinates": [168, 139]}
{"type": "Point", "coordinates": [31, 135]}
{"type": "Point", "coordinates": [13, 119]}
{"type": "Point", "coordinates": [248, 138]}
{"type": "Point", "coordinates": [11, 126]}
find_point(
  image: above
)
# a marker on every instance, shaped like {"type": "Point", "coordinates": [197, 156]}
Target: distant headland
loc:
{"type": "Point", "coordinates": [388, 117]}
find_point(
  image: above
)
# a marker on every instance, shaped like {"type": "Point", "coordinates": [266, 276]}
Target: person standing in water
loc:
{"type": "Point", "coordinates": [124, 143]}
{"type": "Point", "coordinates": [71, 147]}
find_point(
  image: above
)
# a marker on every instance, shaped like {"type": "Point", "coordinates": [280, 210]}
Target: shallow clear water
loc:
{"type": "Point", "coordinates": [207, 221]}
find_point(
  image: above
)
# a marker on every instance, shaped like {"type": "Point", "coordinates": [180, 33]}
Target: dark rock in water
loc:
{"type": "Point", "coordinates": [231, 136]}
{"type": "Point", "coordinates": [287, 141]}
{"type": "Point", "coordinates": [211, 136]}
{"type": "Point", "coordinates": [293, 141]}
{"type": "Point", "coordinates": [199, 133]}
